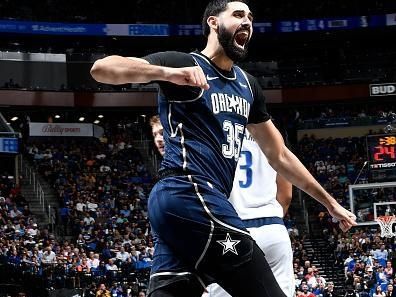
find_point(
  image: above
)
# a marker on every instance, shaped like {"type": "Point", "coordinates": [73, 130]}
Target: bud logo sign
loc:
{"type": "Point", "coordinates": [383, 89]}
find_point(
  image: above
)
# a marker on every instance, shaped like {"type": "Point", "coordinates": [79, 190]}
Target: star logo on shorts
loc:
{"type": "Point", "coordinates": [229, 244]}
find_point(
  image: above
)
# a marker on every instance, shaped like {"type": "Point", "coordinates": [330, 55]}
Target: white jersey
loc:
{"type": "Point", "coordinates": [253, 197]}
{"type": "Point", "coordinates": [254, 191]}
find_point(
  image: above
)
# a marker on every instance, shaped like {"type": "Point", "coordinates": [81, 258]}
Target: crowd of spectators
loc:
{"type": "Point", "coordinates": [383, 111]}
{"type": "Point", "coordinates": [316, 116]}
{"type": "Point", "coordinates": [104, 236]}
{"type": "Point", "coordinates": [104, 242]}
{"type": "Point", "coordinates": [105, 239]}
{"type": "Point", "coordinates": [335, 163]}
{"type": "Point", "coordinates": [318, 58]}
{"type": "Point", "coordinates": [102, 227]}
{"type": "Point", "coordinates": [339, 162]}
{"type": "Point", "coordinates": [308, 278]}
{"type": "Point", "coordinates": [18, 228]}
{"type": "Point", "coordinates": [102, 188]}
{"type": "Point", "coordinates": [366, 258]}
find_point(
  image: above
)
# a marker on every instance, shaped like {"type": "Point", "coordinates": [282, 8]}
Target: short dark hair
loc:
{"type": "Point", "coordinates": [214, 8]}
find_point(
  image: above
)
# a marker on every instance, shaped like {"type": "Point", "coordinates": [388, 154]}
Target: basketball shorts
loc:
{"type": "Point", "coordinates": [199, 236]}
{"type": "Point", "coordinates": [274, 241]}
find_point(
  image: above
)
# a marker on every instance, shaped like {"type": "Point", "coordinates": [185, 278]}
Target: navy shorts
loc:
{"type": "Point", "coordinates": [196, 229]}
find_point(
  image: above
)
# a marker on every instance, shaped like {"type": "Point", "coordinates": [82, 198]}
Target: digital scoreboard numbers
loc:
{"type": "Point", "coordinates": [381, 151]}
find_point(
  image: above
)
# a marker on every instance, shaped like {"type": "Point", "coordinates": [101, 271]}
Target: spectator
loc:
{"type": "Point", "coordinates": [319, 290]}
{"type": "Point", "coordinates": [390, 291]}
{"type": "Point", "coordinates": [15, 213]}
{"type": "Point", "coordinates": [378, 292]}
{"type": "Point", "coordinates": [93, 261]}
{"type": "Point", "coordinates": [381, 255]}
{"type": "Point", "coordinates": [122, 256]}
{"type": "Point", "coordinates": [369, 279]}
{"type": "Point", "coordinates": [305, 292]}
{"type": "Point", "coordinates": [102, 291]}
{"type": "Point", "coordinates": [48, 257]}
{"type": "Point", "coordinates": [329, 291]}
{"type": "Point", "coordinates": [111, 266]}
{"type": "Point", "coordinates": [388, 270]}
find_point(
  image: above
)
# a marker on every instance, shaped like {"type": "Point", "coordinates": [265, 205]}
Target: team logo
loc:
{"type": "Point", "coordinates": [243, 85]}
{"type": "Point", "coordinates": [211, 77]}
{"type": "Point", "coordinates": [229, 245]}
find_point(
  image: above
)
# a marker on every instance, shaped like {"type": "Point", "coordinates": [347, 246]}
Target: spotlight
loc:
{"type": "Point", "coordinates": [14, 119]}
{"type": "Point", "coordinates": [57, 116]}
{"type": "Point", "coordinates": [100, 116]}
{"type": "Point", "coordinates": [81, 119]}
{"type": "Point", "coordinates": [96, 122]}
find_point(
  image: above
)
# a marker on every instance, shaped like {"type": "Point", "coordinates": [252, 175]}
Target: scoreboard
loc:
{"type": "Point", "coordinates": [381, 150]}
{"type": "Point", "coordinates": [9, 145]}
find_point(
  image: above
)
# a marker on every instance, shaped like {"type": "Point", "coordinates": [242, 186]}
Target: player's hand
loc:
{"type": "Point", "coordinates": [187, 76]}
{"type": "Point", "coordinates": [345, 217]}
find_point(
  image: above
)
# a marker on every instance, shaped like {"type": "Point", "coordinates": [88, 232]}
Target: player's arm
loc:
{"type": "Point", "coordinates": [284, 192]}
{"type": "Point", "coordinates": [122, 70]}
{"type": "Point", "coordinates": [289, 166]}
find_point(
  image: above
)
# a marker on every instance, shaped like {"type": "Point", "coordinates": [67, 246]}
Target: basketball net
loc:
{"type": "Point", "coordinates": [386, 223]}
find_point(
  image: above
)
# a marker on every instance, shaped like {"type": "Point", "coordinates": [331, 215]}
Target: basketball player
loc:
{"type": "Point", "coordinates": [261, 198]}
{"type": "Point", "coordinates": [158, 134]}
{"type": "Point", "coordinates": [205, 104]}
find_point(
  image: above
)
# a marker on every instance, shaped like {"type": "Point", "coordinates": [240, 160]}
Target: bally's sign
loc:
{"type": "Point", "coordinates": [60, 129]}
{"type": "Point", "coordinates": [383, 89]}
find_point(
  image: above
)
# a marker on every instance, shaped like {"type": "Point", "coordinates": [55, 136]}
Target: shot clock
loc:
{"type": "Point", "coordinates": [381, 150]}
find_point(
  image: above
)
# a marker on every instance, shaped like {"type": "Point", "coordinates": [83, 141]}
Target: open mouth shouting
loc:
{"type": "Point", "coordinates": [235, 44]}
{"type": "Point", "coordinates": [241, 38]}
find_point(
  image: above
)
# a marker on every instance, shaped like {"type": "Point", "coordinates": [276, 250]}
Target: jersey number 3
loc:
{"type": "Point", "coordinates": [234, 139]}
{"type": "Point", "coordinates": [247, 168]}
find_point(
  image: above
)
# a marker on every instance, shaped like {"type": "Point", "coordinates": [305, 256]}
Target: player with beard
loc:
{"type": "Point", "coordinates": [205, 104]}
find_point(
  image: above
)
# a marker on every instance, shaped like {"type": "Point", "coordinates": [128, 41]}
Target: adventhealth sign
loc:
{"type": "Point", "coordinates": [383, 89]}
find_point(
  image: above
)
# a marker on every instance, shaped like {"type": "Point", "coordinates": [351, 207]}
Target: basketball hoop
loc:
{"type": "Point", "coordinates": [386, 223]}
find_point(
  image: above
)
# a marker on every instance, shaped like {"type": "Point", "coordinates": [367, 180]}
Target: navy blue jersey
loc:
{"type": "Point", "coordinates": [204, 130]}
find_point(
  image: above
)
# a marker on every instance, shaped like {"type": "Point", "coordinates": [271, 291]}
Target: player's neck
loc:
{"type": "Point", "coordinates": [216, 55]}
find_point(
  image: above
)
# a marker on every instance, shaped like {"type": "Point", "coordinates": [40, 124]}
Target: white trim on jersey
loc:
{"type": "Point", "coordinates": [214, 68]}
{"type": "Point", "coordinates": [179, 128]}
{"type": "Point", "coordinates": [213, 219]}
{"type": "Point", "coordinates": [191, 100]}
{"type": "Point", "coordinates": [209, 212]}
{"type": "Point", "coordinates": [206, 246]}
{"type": "Point", "coordinates": [166, 273]}
{"type": "Point", "coordinates": [247, 80]}
{"type": "Point", "coordinates": [170, 273]}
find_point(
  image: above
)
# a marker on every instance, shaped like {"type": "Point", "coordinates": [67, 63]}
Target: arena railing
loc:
{"type": "Point", "coordinates": [38, 191]}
